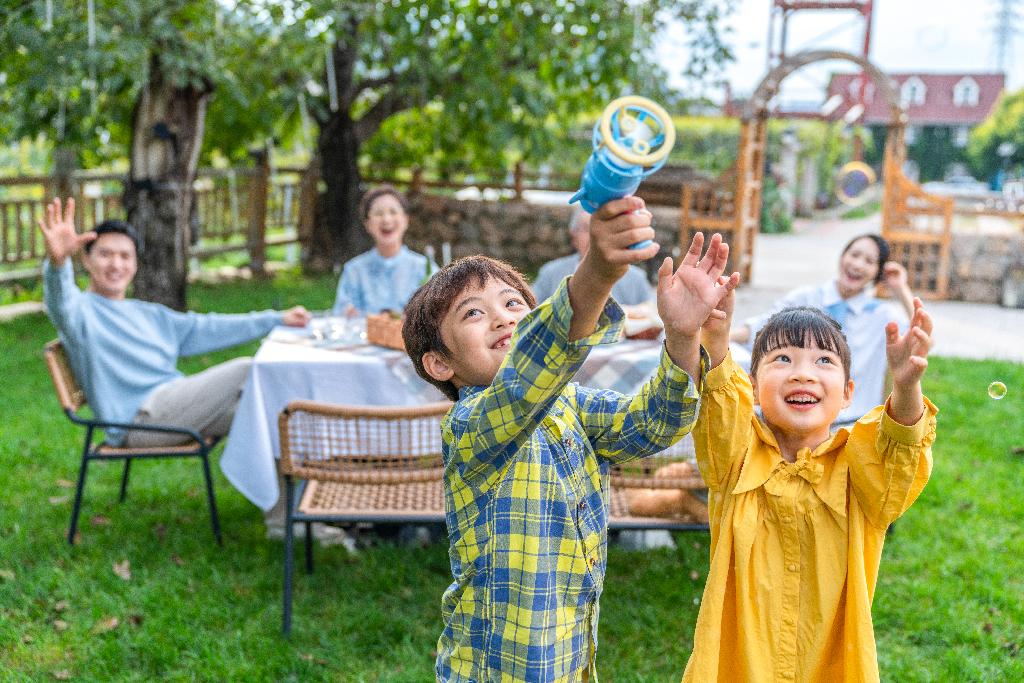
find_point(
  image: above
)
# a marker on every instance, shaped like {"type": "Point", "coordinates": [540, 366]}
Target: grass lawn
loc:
{"type": "Point", "coordinates": [949, 605]}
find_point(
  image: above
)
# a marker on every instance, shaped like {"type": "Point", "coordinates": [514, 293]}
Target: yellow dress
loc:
{"type": "Point", "coordinates": [795, 546]}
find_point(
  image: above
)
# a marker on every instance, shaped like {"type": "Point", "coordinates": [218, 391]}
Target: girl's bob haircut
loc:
{"type": "Point", "coordinates": [799, 326]}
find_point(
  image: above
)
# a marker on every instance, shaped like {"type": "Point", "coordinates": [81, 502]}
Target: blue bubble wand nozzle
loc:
{"type": "Point", "coordinates": [631, 141]}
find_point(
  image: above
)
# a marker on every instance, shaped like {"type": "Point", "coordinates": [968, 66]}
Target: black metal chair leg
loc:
{"type": "Point", "coordinates": [79, 491]}
{"type": "Point", "coordinates": [286, 619]}
{"type": "Point", "coordinates": [124, 478]}
{"type": "Point", "coordinates": [309, 547]}
{"type": "Point", "coordinates": [211, 499]}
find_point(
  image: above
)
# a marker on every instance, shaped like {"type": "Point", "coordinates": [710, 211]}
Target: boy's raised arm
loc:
{"type": "Point", "coordinates": [613, 228]}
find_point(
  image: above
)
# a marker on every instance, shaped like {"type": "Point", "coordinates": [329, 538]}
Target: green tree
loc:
{"type": "Point", "coordinates": [470, 79]}
{"type": "Point", "coordinates": [1004, 125]}
{"type": "Point", "coordinates": [489, 79]}
{"type": "Point", "coordinates": [135, 79]}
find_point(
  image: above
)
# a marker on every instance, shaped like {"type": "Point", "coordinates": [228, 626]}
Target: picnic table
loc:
{"type": "Point", "coordinates": [290, 364]}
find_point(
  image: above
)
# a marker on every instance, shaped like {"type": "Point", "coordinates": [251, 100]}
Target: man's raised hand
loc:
{"type": "Point", "coordinates": [59, 236]}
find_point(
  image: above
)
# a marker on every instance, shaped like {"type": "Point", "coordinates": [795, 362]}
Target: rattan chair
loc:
{"type": "Point", "coordinates": [378, 464]}
{"type": "Point", "coordinates": [72, 399]}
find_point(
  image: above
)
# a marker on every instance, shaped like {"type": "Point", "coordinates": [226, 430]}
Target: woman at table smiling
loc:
{"type": "Point", "coordinates": [385, 277]}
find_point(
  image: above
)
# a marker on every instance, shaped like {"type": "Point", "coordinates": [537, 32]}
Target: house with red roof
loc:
{"type": "Point", "coordinates": [942, 109]}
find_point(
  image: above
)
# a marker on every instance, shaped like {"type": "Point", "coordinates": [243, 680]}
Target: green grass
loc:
{"type": "Point", "coordinates": [948, 608]}
{"type": "Point", "coordinates": [869, 208]}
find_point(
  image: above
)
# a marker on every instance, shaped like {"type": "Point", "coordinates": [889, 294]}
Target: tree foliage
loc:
{"type": "Point", "coordinates": [477, 81]}
{"type": "Point", "coordinates": [1004, 125]}
{"type": "Point", "coordinates": [482, 81]}
{"type": "Point", "coordinates": [79, 93]}
{"type": "Point", "coordinates": [457, 83]}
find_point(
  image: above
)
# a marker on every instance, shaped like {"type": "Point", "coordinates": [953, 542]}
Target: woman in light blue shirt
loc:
{"type": "Point", "coordinates": [385, 277]}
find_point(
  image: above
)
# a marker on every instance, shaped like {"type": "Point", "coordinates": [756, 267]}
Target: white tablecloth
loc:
{"type": "Point", "coordinates": [284, 370]}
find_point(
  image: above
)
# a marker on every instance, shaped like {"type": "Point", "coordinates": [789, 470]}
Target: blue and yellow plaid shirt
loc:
{"type": "Point", "coordinates": [527, 464]}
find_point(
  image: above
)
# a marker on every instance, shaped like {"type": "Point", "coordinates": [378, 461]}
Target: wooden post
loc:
{"type": "Point", "coordinates": [258, 211]}
{"type": "Point", "coordinates": [517, 179]}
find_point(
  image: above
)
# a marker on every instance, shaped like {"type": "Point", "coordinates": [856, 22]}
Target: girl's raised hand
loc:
{"type": "Point", "coordinates": [690, 295]}
{"type": "Point", "coordinates": [908, 353]}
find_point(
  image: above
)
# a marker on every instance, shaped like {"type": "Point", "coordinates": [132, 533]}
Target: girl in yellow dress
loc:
{"type": "Point", "coordinates": [798, 514]}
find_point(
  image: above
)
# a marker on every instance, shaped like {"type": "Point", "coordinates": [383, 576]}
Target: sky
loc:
{"type": "Point", "coordinates": [906, 35]}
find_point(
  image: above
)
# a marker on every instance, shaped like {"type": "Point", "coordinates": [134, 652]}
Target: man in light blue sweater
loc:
{"type": "Point", "coordinates": [124, 352]}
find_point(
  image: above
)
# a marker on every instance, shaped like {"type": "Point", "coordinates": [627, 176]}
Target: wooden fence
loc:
{"type": "Point", "coordinates": [237, 209]}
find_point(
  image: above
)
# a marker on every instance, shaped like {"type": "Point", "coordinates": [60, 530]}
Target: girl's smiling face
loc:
{"type": "Point", "coordinates": [801, 391]}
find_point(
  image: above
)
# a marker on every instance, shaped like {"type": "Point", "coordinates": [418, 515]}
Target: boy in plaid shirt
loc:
{"type": "Point", "coordinates": [527, 454]}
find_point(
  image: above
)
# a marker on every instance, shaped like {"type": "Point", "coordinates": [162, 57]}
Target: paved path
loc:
{"type": "Point", "coordinates": [810, 255]}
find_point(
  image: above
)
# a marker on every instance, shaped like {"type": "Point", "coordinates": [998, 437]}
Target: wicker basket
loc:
{"type": "Point", "coordinates": [384, 329]}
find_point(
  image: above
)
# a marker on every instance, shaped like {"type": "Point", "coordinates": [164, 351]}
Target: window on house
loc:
{"type": "Point", "coordinates": [913, 91]}
{"type": "Point", "coordinates": [910, 137]}
{"type": "Point", "coordinates": [965, 92]}
{"type": "Point", "coordinates": [854, 91]}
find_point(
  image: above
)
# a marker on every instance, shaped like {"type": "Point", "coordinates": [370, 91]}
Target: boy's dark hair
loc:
{"type": "Point", "coordinates": [883, 251]}
{"type": "Point", "coordinates": [797, 326]}
{"type": "Point", "coordinates": [370, 197]}
{"type": "Point", "coordinates": [109, 226]}
{"type": "Point", "coordinates": [431, 303]}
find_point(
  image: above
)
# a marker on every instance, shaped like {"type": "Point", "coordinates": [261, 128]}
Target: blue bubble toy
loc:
{"type": "Point", "coordinates": [632, 140]}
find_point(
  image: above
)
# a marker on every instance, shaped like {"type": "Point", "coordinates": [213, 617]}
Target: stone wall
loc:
{"type": "Point", "coordinates": [528, 235]}
{"type": "Point", "coordinates": [979, 264]}
{"type": "Point", "coordinates": [523, 234]}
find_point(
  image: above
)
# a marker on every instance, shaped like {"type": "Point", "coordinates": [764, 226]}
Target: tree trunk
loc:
{"type": "Point", "coordinates": [341, 235]}
{"type": "Point", "coordinates": [167, 132]}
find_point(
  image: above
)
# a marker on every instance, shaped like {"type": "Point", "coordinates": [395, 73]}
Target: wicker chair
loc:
{"type": "Point", "coordinates": [358, 464]}
{"type": "Point", "coordinates": [688, 511]}
{"type": "Point", "coordinates": [72, 399]}
{"type": "Point", "coordinates": [383, 465]}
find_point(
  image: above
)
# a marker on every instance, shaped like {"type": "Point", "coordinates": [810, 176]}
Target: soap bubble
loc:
{"type": "Point", "coordinates": [997, 390]}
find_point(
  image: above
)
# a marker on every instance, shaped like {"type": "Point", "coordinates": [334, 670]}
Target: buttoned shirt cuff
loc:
{"type": "Point", "coordinates": [909, 434]}
{"type": "Point", "coordinates": [719, 376]}
{"type": "Point", "coordinates": [610, 325]}
{"type": "Point", "coordinates": [678, 380]}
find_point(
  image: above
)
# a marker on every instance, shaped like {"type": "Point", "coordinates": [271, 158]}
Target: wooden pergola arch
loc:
{"type": "Point", "coordinates": [917, 225]}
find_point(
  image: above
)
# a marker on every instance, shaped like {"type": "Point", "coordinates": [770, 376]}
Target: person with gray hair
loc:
{"type": "Point", "coordinates": [632, 289]}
